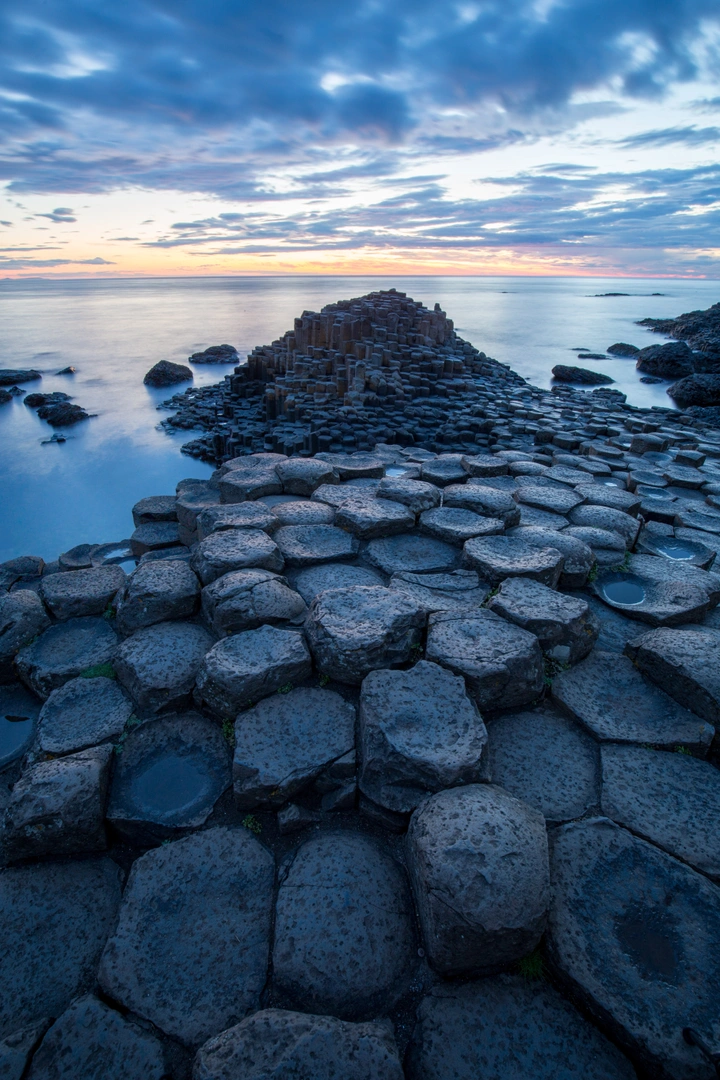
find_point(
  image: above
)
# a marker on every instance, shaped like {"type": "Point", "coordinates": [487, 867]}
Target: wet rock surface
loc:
{"type": "Point", "coordinates": [158, 665]}
{"type": "Point", "coordinates": [82, 713]}
{"type": "Point", "coordinates": [247, 599]}
{"type": "Point", "coordinates": [65, 651]}
{"type": "Point", "coordinates": [249, 666]}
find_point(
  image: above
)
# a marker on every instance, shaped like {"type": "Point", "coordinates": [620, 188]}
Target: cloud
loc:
{"type": "Point", "coordinates": [687, 136]}
{"type": "Point", "coordinates": [62, 215]}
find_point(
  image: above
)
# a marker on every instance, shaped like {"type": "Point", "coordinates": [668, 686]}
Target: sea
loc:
{"type": "Point", "coordinates": [56, 495]}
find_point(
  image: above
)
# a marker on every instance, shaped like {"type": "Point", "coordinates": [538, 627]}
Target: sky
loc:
{"type": "Point", "coordinates": [205, 137]}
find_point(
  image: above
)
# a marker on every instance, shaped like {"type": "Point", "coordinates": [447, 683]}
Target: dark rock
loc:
{"type": "Point", "coordinates": [610, 697]}
{"type": "Point", "coordinates": [63, 414]}
{"type": "Point", "coordinates": [82, 713]}
{"type": "Point", "coordinates": [460, 589]}
{"type": "Point", "coordinates": [153, 536]}
{"type": "Point", "coordinates": [683, 663]}
{"type": "Point", "coordinates": [483, 465]}
{"type": "Point", "coordinates": [18, 716]}
{"type": "Point", "coordinates": [55, 917]}
{"type": "Point", "coordinates": [65, 651]}
{"type": "Point", "coordinates": [418, 733]}
{"type": "Point", "coordinates": [8, 376]}
{"type": "Point", "coordinates": [308, 583]}
{"type": "Point", "coordinates": [417, 495]}
{"type": "Point", "coordinates": [286, 741]}
{"type": "Point", "coordinates": [444, 470]}
{"type": "Point", "coordinates": [169, 776]}
{"type": "Point", "coordinates": [155, 592]}
{"type": "Point", "coordinates": [22, 617]}
{"type": "Point", "coordinates": [455, 525]}
{"type": "Point", "coordinates": [662, 592]}
{"type": "Point", "coordinates": [565, 627]}
{"type": "Point", "coordinates": [502, 664]}
{"type": "Point", "coordinates": [58, 807]}
{"type": "Point", "coordinates": [82, 592]}
{"type": "Point", "coordinates": [310, 545]}
{"type": "Point", "coordinates": [369, 519]}
{"type": "Point", "coordinates": [511, 1028]}
{"type": "Point", "coordinates": [293, 818]}
{"type": "Point", "coordinates": [351, 631]}
{"type": "Point", "coordinates": [247, 599]}
{"type": "Point", "coordinates": [604, 517]}
{"type": "Point", "coordinates": [200, 909]}
{"type": "Point", "coordinates": [623, 349]}
{"type": "Point", "coordinates": [278, 1043]}
{"type": "Point", "coordinates": [484, 500]}
{"type": "Point", "coordinates": [235, 549]}
{"type": "Point", "coordinates": [360, 964]}
{"type": "Point", "coordinates": [250, 479]}
{"type": "Point", "coordinates": [301, 512]}
{"type": "Point", "coordinates": [412, 554]}
{"type": "Point", "coordinates": [302, 476]}
{"type": "Point", "coordinates": [34, 401]}
{"type": "Point", "coordinates": [17, 1049]}
{"type": "Point", "coordinates": [5, 397]}
{"type": "Point", "coordinates": [158, 664]}
{"type": "Point", "coordinates": [355, 466]}
{"type": "Point", "coordinates": [249, 666]}
{"type": "Point", "coordinates": [216, 354]}
{"type": "Point", "coordinates": [637, 936]}
{"type": "Point", "coordinates": [702, 390]}
{"type": "Point", "coordinates": [69, 370]}
{"type": "Point", "coordinates": [166, 373]}
{"type": "Point", "coordinates": [498, 557]}
{"type": "Point", "coordinates": [91, 1040]}
{"type": "Point", "coordinates": [555, 499]}
{"type": "Point", "coordinates": [567, 373]}
{"type": "Point", "coordinates": [155, 508]}
{"type": "Point", "coordinates": [578, 558]}
{"type": "Point", "coordinates": [671, 361]}
{"type": "Point", "coordinates": [478, 862]}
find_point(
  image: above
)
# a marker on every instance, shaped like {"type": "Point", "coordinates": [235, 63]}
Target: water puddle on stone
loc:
{"type": "Point", "coordinates": [649, 945]}
{"type": "Point", "coordinates": [396, 470]}
{"type": "Point", "coordinates": [627, 593]}
{"type": "Point", "coordinates": [653, 493]}
{"type": "Point", "coordinates": [676, 549]}
{"type": "Point", "coordinates": [170, 788]}
{"type": "Point", "coordinates": [15, 733]}
{"type": "Point", "coordinates": [611, 483]}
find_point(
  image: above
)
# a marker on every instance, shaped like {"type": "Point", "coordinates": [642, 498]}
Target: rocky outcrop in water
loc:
{"type": "Point", "coordinates": [568, 373]}
{"type": "Point", "coordinates": [216, 354]}
{"type": "Point", "coordinates": [165, 373]}
{"type": "Point", "coordinates": [10, 376]}
{"type": "Point", "coordinates": [700, 329]}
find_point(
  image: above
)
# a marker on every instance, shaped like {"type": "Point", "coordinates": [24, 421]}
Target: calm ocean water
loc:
{"type": "Point", "coordinates": [56, 496]}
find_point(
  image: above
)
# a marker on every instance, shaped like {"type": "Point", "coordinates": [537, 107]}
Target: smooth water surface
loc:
{"type": "Point", "coordinates": [627, 593]}
{"type": "Point", "coordinates": [171, 788]}
{"type": "Point", "coordinates": [55, 496]}
{"type": "Point", "coordinates": [681, 550]}
{"type": "Point", "coordinates": [18, 714]}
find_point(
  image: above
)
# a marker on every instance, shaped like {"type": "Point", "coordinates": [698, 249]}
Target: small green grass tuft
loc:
{"type": "Point", "coordinates": [285, 689]}
{"type": "Point", "coordinates": [109, 612]}
{"type": "Point", "coordinates": [552, 668]}
{"type": "Point", "coordinates": [532, 967]}
{"type": "Point", "coordinates": [683, 750]}
{"type": "Point", "coordinates": [99, 671]}
{"type": "Point", "coordinates": [592, 576]}
{"type": "Point", "coordinates": [228, 730]}
{"type": "Point", "coordinates": [323, 680]}
{"type": "Point", "coordinates": [251, 822]}
{"type": "Point", "coordinates": [493, 592]}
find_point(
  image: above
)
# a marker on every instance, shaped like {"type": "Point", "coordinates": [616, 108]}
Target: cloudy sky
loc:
{"type": "Point", "coordinates": [310, 136]}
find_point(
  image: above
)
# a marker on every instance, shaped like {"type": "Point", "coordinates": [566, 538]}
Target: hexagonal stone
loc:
{"type": "Point", "coordinates": [158, 664]}
{"type": "Point", "coordinates": [58, 807]}
{"type": "Point", "coordinates": [484, 465]}
{"type": "Point", "coordinates": [249, 480]}
{"type": "Point", "coordinates": [247, 599]}
{"type": "Point", "coordinates": [682, 550]}
{"type": "Point", "coordinates": [191, 947]}
{"type": "Point", "coordinates": [351, 631]}
{"type": "Point", "coordinates": [564, 625]}
{"type": "Point", "coordinates": [82, 713]}
{"type": "Point", "coordinates": [659, 591]}
{"type": "Point", "coordinates": [22, 617]}
{"type": "Point", "coordinates": [286, 741]}
{"type": "Point", "coordinates": [250, 665]}
{"type": "Point", "coordinates": [412, 554]}
{"type": "Point", "coordinates": [683, 663]}
{"type": "Point", "coordinates": [309, 545]}
{"type": "Point", "coordinates": [302, 512]}
{"type": "Point", "coordinates": [460, 589]}
{"type": "Point", "coordinates": [157, 591]}
{"type": "Point", "coordinates": [18, 716]}
{"type": "Point", "coordinates": [547, 760]}
{"type": "Point", "coordinates": [637, 936]}
{"type": "Point", "coordinates": [444, 470]}
{"type": "Point", "coordinates": [673, 800]}
{"type": "Point", "coordinates": [334, 497]}
{"type": "Point", "coordinates": [555, 499]}
{"type": "Point", "coordinates": [483, 500]}
{"type": "Point", "coordinates": [193, 497]}
{"type": "Point", "coordinates": [371, 518]}
{"type": "Point", "coordinates": [168, 777]}
{"type": "Point", "coordinates": [607, 547]}
{"type": "Point", "coordinates": [498, 557]}
{"type": "Point", "coordinates": [613, 497]}
{"type": "Point", "coordinates": [56, 917]}
{"type": "Point", "coordinates": [615, 629]}
{"type": "Point", "coordinates": [308, 583]}
{"type": "Point", "coordinates": [578, 558]}
{"type": "Point", "coordinates": [237, 516]}
{"type": "Point", "coordinates": [417, 495]}
{"type": "Point", "coordinates": [155, 508]}
{"type": "Point", "coordinates": [508, 1027]}
{"type": "Point", "coordinates": [502, 664]}
{"type": "Point", "coordinates": [65, 651]}
{"type": "Point", "coordinates": [354, 466]}
{"type": "Point", "coordinates": [603, 517]}
{"type": "Point", "coordinates": [89, 1039]}
{"type": "Point", "coordinates": [478, 862]}
{"type": "Point", "coordinates": [419, 733]}
{"type": "Point", "coordinates": [610, 697]}
{"type": "Point", "coordinates": [359, 964]}
{"type": "Point", "coordinates": [235, 549]}
{"type": "Point", "coordinates": [276, 1042]}
{"type": "Point", "coordinates": [154, 536]}
{"type": "Point", "coordinates": [455, 526]}
{"type": "Point", "coordinates": [531, 517]}
{"type": "Point", "coordinates": [302, 477]}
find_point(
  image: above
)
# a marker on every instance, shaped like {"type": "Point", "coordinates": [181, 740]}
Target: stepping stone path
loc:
{"type": "Point", "coordinates": [359, 810]}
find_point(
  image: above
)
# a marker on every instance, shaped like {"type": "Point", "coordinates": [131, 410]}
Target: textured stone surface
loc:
{"type": "Point", "coordinates": [610, 697]}
{"type": "Point", "coordinates": [239, 516]}
{"type": "Point", "coordinates": [547, 760]}
{"type": "Point", "coordinates": [198, 909]}
{"type": "Point", "coordinates": [169, 776]}
{"type": "Point", "coordinates": [16, 1049]}
{"type": "Point", "coordinates": [158, 664]}
{"type": "Point", "coordinates": [637, 936]}
{"type": "Point", "coordinates": [250, 665]}
{"type": "Point", "coordinates": [683, 663]}
{"type": "Point", "coordinates": [22, 617]}
{"type": "Point", "coordinates": [371, 518]}
{"type": "Point", "coordinates": [64, 651]}
{"type": "Point", "coordinates": [286, 741]}
{"type": "Point", "coordinates": [302, 512]}
{"type": "Point", "coordinates": [672, 800]}
{"type": "Point", "coordinates": [55, 919]}
{"type": "Point", "coordinates": [246, 599]}
{"type": "Point", "coordinates": [670, 593]}
{"type": "Point", "coordinates": [58, 807]}
{"type": "Point", "coordinates": [556, 499]}
{"type": "Point", "coordinates": [155, 536]}
{"type": "Point", "coordinates": [316, 579]}
{"type": "Point", "coordinates": [478, 861]}
{"type": "Point", "coordinates": [501, 663]}
{"type": "Point", "coordinates": [359, 964]}
{"type": "Point", "coordinates": [235, 549]}
{"type": "Point", "coordinates": [300, 477]}
{"type": "Point", "coordinates": [251, 479]}
{"type": "Point", "coordinates": [155, 508]}
{"type": "Point", "coordinates": [499, 557]}
{"type": "Point", "coordinates": [417, 495]}
{"type": "Point", "coordinates": [484, 500]}
{"type": "Point", "coordinates": [412, 554]}
{"type": "Point", "coordinates": [82, 592]}
{"type": "Point", "coordinates": [510, 1029]}
{"type": "Point", "coordinates": [277, 1043]}
{"type": "Point", "coordinates": [564, 625]}
{"type": "Point", "coordinates": [352, 631]}
{"type": "Point", "coordinates": [419, 733]}
{"type": "Point", "coordinates": [578, 558]}
{"type": "Point", "coordinates": [444, 592]}
{"type": "Point", "coordinates": [604, 517]}
{"type": "Point", "coordinates": [309, 545]}
{"type": "Point", "coordinates": [90, 1040]}
{"type": "Point", "coordinates": [82, 713]}
{"type": "Point", "coordinates": [455, 525]}
{"type": "Point", "coordinates": [159, 590]}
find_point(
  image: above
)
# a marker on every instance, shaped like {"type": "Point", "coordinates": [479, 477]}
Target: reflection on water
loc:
{"type": "Point", "coordinates": [676, 549]}
{"type": "Point", "coordinates": [59, 495]}
{"type": "Point", "coordinates": [622, 591]}
{"type": "Point", "coordinates": [170, 788]}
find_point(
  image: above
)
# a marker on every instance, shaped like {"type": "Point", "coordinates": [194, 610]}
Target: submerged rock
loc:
{"type": "Point", "coordinates": [10, 376]}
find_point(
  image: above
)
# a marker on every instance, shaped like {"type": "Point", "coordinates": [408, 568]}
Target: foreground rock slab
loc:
{"type": "Point", "coordinates": [82, 592]}
{"type": "Point", "coordinates": [247, 599]}
{"type": "Point", "coordinates": [359, 964]}
{"type": "Point", "coordinates": [235, 549]}
{"type": "Point", "coordinates": [499, 557]}
{"type": "Point", "coordinates": [478, 861]}
{"type": "Point", "coordinates": [637, 935]}
{"type": "Point", "coordinates": [156, 592]}
{"type": "Point", "coordinates": [82, 713]}
{"type": "Point", "coordinates": [65, 651]}
{"type": "Point", "coordinates": [683, 663]}
{"type": "Point", "coordinates": [249, 666]}
{"type": "Point", "coordinates": [564, 625]}
{"type": "Point", "coordinates": [55, 918]}
{"type": "Point", "coordinates": [158, 664]}
{"type": "Point", "coordinates": [412, 554]}
{"type": "Point", "coordinates": [22, 617]}
{"type": "Point", "coordinates": [460, 589]}
{"type": "Point", "coordinates": [18, 719]}
{"type": "Point", "coordinates": [419, 733]}
{"type": "Point", "coordinates": [507, 1027]}
{"type": "Point", "coordinates": [659, 591]}
{"type": "Point", "coordinates": [315, 579]}
{"type": "Point", "coordinates": [200, 909]}
{"type": "Point", "coordinates": [311, 545]}
{"type": "Point", "coordinates": [276, 1042]}
{"type": "Point", "coordinates": [17, 1049]}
